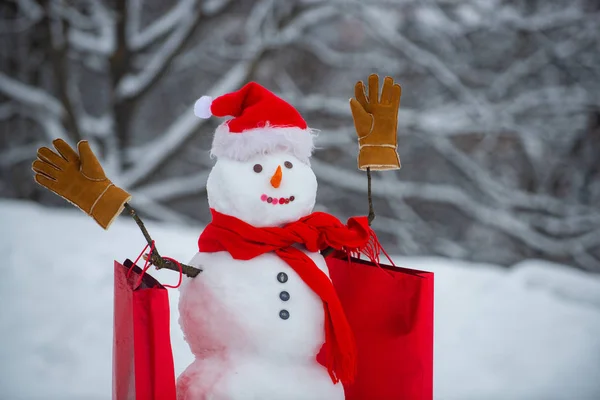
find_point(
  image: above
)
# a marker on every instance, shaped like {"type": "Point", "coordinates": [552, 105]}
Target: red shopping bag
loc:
{"type": "Point", "coordinates": [142, 357]}
{"type": "Point", "coordinates": [390, 310]}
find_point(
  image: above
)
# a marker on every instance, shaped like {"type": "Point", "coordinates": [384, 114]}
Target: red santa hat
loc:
{"type": "Point", "coordinates": [262, 123]}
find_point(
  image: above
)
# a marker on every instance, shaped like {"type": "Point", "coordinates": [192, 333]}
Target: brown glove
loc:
{"type": "Point", "coordinates": [79, 178]}
{"type": "Point", "coordinates": [376, 123]}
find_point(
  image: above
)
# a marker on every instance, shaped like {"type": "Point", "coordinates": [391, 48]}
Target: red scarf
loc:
{"type": "Point", "coordinates": [316, 232]}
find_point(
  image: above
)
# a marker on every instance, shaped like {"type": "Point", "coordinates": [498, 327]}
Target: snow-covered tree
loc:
{"type": "Point", "coordinates": [499, 125]}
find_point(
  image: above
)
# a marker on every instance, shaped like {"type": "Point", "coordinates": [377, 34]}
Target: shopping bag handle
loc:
{"type": "Point", "coordinates": [147, 265]}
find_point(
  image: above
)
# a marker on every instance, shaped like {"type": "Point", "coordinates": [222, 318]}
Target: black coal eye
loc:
{"type": "Point", "coordinates": [288, 164]}
{"type": "Point", "coordinates": [257, 168]}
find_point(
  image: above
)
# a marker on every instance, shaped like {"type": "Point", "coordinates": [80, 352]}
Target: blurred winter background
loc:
{"type": "Point", "coordinates": [499, 136]}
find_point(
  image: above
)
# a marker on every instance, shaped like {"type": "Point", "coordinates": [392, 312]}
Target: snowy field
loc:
{"type": "Point", "coordinates": [531, 332]}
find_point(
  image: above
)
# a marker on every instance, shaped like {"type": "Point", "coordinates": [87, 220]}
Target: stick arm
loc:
{"type": "Point", "coordinates": [155, 258]}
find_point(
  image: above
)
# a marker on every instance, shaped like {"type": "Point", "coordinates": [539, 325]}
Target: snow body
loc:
{"type": "Point", "coordinates": [243, 348]}
{"type": "Point", "coordinates": [231, 315]}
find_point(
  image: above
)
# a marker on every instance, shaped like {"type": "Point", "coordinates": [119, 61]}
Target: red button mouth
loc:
{"type": "Point", "coordinates": [277, 200]}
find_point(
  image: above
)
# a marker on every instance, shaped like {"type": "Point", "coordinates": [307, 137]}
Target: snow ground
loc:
{"type": "Point", "coordinates": [532, 332]}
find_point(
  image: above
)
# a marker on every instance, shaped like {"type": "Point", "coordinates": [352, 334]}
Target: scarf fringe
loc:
{"type": "Point", "coordinates": [372, 250]}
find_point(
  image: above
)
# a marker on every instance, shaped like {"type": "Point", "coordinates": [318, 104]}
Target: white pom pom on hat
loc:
{"type": "Point", "coordinates": [202, 107]}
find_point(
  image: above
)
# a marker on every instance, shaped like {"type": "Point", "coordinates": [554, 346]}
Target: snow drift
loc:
{"type": "Point", "coordinates": [529, 332]}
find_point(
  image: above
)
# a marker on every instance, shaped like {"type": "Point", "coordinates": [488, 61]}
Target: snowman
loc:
{"type": "Point", "coordinates": [264, 306]}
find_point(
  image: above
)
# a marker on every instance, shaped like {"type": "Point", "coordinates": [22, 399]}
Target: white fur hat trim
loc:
{"type": "Point", "coordinates": [265, 140]}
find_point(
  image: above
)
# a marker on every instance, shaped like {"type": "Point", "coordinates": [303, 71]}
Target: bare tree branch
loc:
{"type": "Point", "coordinates": [187, 16]}
{"type": "Point", "coordinates": [135, 86]}
{"type": "Point", "coordinates": [173, 188]}
{"type": "Point", "coordinates": [32, 13]}
{"type": "Point", "coordinates": [157, 151]}
{"type": "Point", "coordinates": [101, 43]}
{"type": "Point", "coordinates": [164, 25]}
{"type": "Point", "coordinates": [419, 55]}
{"type": "Point", "coordinates": [158, 211]}
{"type": "Point", "coordinates": [30, 96]}
{"type": "Point", "coordinates": [18, 154]}
{"type": "Point", "coordinates": [56, 31]}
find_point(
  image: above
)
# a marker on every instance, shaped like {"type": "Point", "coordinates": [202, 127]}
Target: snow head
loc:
{"type": "Point", "coordinates": [267, 190]}
{"type": "Point", "coordinates": [262, 175]}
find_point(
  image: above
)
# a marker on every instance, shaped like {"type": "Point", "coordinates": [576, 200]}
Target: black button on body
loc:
{"type": "Point", "coordinates": [282, 277]}
{"type": "Point", "coordinates": [285, 296]}
{"type": "Point", "coordinates": [284, 314]}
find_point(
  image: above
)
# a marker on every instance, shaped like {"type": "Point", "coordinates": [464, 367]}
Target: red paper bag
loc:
{"type": "Point", "coordinates": [142, 357]}
{"type": "Point", "coordinates": [390, 310]}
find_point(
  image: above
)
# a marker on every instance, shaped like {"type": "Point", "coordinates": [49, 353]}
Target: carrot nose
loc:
{"type": "Point", "coordinates": [276, 178]}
